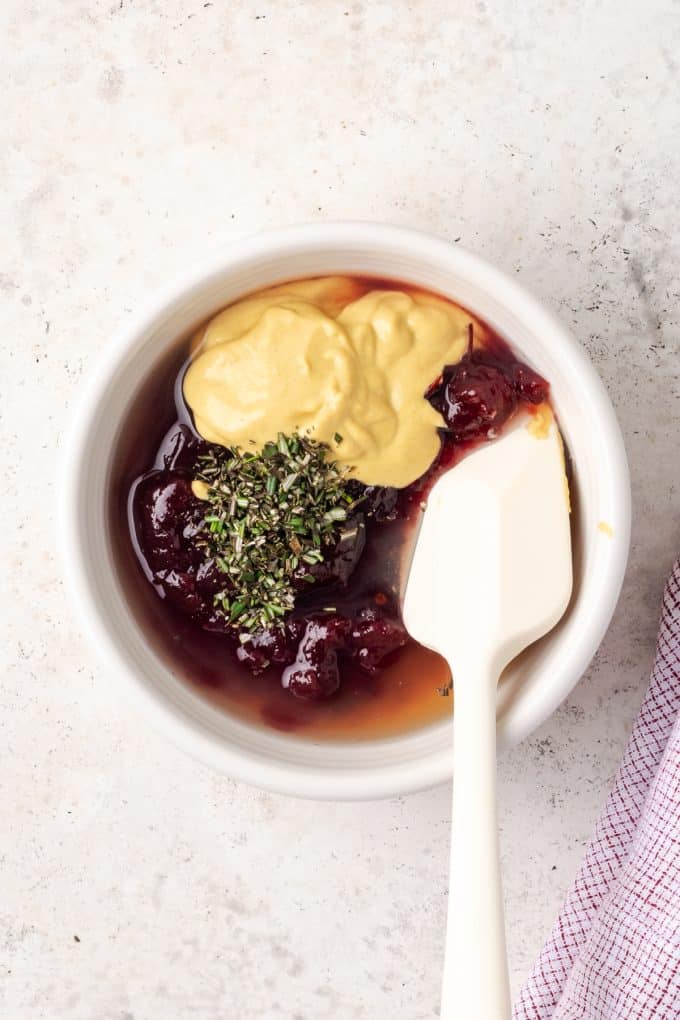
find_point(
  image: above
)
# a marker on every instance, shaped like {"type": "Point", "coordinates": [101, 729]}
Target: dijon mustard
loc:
{"type": "Point", "coordinates": [324, 358]}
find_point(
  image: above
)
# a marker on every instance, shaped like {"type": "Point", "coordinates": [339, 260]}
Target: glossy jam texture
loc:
{"type": "Point", "coordinates": [322, 671]}
{"type": "Point", "coordinates": [167, 519]}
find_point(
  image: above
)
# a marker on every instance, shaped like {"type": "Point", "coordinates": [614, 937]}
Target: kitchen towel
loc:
{"type": "Point", "coordinates": [614, 951]}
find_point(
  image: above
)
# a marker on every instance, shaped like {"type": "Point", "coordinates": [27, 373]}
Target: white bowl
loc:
{"type": "Point", "coordinates": [533, 687]}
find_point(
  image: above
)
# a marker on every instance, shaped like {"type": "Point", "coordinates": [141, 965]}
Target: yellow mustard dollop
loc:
{"type": "Point", "coordinates": [322, 356]}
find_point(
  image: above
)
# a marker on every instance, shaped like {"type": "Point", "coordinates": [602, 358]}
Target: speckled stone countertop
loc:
{"type": "Point", "coordinates": [136, 135]}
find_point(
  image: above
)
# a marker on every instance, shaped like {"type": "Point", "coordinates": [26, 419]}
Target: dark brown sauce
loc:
{"type": "Point", "coordinates": [404, 694]}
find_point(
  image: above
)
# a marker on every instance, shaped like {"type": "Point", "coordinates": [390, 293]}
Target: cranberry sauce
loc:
{"type": "Point", "coordinates": [351, 609]}
{"type": "Point", "coordinates": [341, 662]}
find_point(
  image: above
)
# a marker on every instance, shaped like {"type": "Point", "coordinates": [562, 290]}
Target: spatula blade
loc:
{"type": "Point", "coordinates": [492, 568]}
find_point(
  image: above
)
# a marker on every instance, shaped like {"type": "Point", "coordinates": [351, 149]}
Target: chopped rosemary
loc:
{"type": "Point", "coordinates": [271, 516]}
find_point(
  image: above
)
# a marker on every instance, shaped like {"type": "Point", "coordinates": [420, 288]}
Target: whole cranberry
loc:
{"type": "Point", "coordinates": [315, 674]}
{"type": "Point", "coordinates": [179, 588]}
{"type": "Point", "coordinates": [169, 516]}
{"type": "Point", "coordinates": [312, 683]}
{"type": "Point", "coordinates": [477, 399]}
{"type": "Point", "coordinates": [374, 636]}
{"type": "Point", "coordinates": [276, 645]}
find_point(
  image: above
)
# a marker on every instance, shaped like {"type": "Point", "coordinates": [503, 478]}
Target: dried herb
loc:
{"type": "Point", "coordinates": [272, 515]}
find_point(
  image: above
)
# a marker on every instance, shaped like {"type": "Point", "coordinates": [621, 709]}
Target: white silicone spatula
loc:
{"type": "Point", "coordinates": [491, 572]}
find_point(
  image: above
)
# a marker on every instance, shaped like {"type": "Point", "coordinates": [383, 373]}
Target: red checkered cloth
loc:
{"type": "Point", "coordinates": [614, 952]}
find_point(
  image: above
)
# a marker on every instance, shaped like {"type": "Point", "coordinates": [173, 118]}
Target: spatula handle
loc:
{"type": "Point", "coordinates": [475, 984]}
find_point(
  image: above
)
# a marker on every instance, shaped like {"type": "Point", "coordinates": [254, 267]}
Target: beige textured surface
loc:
{"type": "Point", "coordinates": [135, 136]}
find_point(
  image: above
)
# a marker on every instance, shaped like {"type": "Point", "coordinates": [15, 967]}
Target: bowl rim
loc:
{"type": "Point", "coordinates": [291, 778]}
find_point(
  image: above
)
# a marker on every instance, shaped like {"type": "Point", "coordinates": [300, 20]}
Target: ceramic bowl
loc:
{"type": "Point", "coordinates": [532, 687]}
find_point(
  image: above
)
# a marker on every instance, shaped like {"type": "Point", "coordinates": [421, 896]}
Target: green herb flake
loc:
{"type": "Point", "coordinates": [272, 516]}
